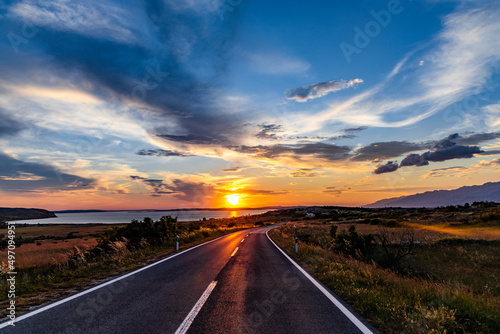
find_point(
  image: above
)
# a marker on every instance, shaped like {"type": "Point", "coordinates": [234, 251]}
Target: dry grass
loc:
{"type": "Point", "coordinates": [59, 230]}
{"type": "Point", "coordinates": [49, 252]}
{"type": "Point", "coordinates": [447, 287]}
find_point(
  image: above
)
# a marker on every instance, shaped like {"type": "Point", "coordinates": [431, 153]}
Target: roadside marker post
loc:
{"type": "Point", "coordinates": [177, 243]}
{"type": "Point", "coordinates": [296, 245]}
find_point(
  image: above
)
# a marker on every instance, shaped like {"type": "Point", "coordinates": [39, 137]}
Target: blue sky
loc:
{"type": "Point", "coordinates": [168, 104]}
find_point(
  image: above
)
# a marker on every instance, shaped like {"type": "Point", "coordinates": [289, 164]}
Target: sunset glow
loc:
{"type": "Point", "coordinates": [233, 199]}
{"type": "Point", "coordinates": [112, 106]}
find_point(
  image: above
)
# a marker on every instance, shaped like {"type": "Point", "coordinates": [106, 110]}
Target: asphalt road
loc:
{"type": "Point", "coordinates": [257, 290]}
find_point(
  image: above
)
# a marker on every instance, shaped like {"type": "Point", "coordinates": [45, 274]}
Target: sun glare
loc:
{"type": "Point", "coordinates": [233, 199]}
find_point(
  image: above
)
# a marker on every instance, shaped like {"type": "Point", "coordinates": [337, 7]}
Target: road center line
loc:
{"type": "Point", "coordinates": [183, 328]}
{"type": "Point", "coordinates": [328, 295]}
{"type": "Point", "coordinates": [234, 252]}
{"type": "Point", "coordinates": [242, 240]}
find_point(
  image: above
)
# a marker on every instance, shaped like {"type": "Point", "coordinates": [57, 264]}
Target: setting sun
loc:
{"type": "Point", "coordinates": [233, 199]}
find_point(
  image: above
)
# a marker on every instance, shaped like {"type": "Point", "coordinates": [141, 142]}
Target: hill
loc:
{"type": "Point", "coordinates": [8, 214]}
{"type": "Point", "coordinates": [487, 192]}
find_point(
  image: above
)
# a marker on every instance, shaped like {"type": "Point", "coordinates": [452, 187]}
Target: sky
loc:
{"type": "Point", "coordinates": [245, 103]}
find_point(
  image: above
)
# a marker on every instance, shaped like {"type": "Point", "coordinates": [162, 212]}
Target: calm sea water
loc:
{"type": "Point", "coordinates": [120, 217]}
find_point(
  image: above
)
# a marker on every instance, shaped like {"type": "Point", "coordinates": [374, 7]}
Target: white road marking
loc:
{"type": "Point", "coordinates": [234, 252]}
{"type": "Point", "coordinates": [62, 301]}
{"type": "Point", "coordinates": [242, 240]}
{"type": "Point", "coordinates": [183, 328]}
{"type": "Point", "coordinates": [328, 295]}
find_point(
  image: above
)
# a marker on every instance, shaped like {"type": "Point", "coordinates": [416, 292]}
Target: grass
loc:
{"type": "Point", "coordinates": [447, 287]}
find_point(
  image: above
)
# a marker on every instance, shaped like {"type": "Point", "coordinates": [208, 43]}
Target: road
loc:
{"type": "Point", "coordinates": [248, 284]}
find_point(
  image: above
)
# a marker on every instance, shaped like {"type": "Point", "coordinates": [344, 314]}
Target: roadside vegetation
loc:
{"type": "Point", "coordinates": [55, 260]}
{"type": "Point", "coordinates": [407, 271]}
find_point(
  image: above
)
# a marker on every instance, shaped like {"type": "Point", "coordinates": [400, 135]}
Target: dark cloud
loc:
{"type": "Point", "coordinates": [268, 131]}
{"type": "Point", "coordinates": [304, 172]}
{"type": "Point", "coordinates": [385, 150]}
{"type": "Point", "coordinates": [389, 167]}
{"type": "Point", "coordinates": [452, 152]}
{"type": "Point", "coordinates": [448, 168]}
{"type": "Point", "coordinates": [332, 191]}
{"type": "Point", "coordinates": [234, 169]}
{"type": "Point", "coordinates": [158, 187]}
{"type": "Point", "coordinates": [163, 153]}
{"type": "Point", "coordinates": [194, 139]}
{"type": "Point", "coordinates": [195, 192]}
{"type": "Point", "coordinates": [8, 125]}
{"type": "Point", "coordinates": [191, 191]}
{"type": "Point", "coordinates": [318, 150]}
{"type": "Point", "coordinates": [305, 93]}
{"type": "Point", "coordinates": [354, 130]}
{"type": "Point", "coordinates": [173, 61]}
{"type": "Point", "coordinates": [490, 152]}
{"type": "Point", "coordinates": [477, 138]}
{"type": "Point", "coordinates": [414, 160]}
{"type": "Point", "coordinates": [442, 150]}
{"type": "Point", "coordinates": [17, 175]}
{"type": "Point", "coordinates": [264, 192]}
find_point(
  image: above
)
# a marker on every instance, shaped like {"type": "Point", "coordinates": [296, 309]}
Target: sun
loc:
{"type": "Point", "coordinates": [233, 199]}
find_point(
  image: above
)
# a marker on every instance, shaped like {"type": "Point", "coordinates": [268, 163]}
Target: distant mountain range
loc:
{"type": "Point", "coordinates": [487, 192]}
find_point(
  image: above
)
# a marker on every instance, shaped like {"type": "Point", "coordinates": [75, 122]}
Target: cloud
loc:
{"type": "Point", "coordinates": [477, 138]}
{"type": "Point", "coordinates": [490, 152]}
{"type": "Point", "coordinates": [389, 167]}
{"type": "Point", "coordinates": [318, 150]}
{"type": "Point", "coordinates": [196, 192]}
{"type": "Point", "coordinates": [333, 191]}
{"type": "Point", "coordinates": [263, 192]}
{"type": "Point", "coordinates": [384, 150]}
{"type": "Point", "coordinates": [275, 63]}
{"type": "Point", "coordinates": [458, 63]}
{"type": "Point", "coordinates": [160, 65]}
{"type": "Point", "coordinates": [305, 93]}
{"type": "Point", "coordinates": [92, 18]}
{"type": "Point", "coordinates": [188, 191]}
{"type": "Point", "coordinates": [304, 172]}
{"type": "Point", "coordinates": [163, 153]}
{"type": "Point", "coordinates": [234, 169]}
{"type": "Point", "coordinates": [441, 150]}
{"type": "Point", "coordinates": [455, 152]}
{"type": "Point", "coordinates": [8, 125]}
{"type": "Point", "coordinates": [193, 139]}
{"type": "Point", "coordinates": [414, 160]}
{"type": "Point", "coordinates": [440, 172]}
{"type": "Point", "coordinates": [18, 175]}
{"type": "Point", "coordinates": [157, 187]}
{"type": "Point", "coordinates": [268, 131]}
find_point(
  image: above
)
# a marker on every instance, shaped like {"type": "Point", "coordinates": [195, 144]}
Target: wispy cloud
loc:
{"type": "Point", "coordinates": [457, 64]}
{"type": "Point", "coordinates": [314, 91]}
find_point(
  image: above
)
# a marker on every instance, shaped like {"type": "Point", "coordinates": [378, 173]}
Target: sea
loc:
{"type": "Point", "coordinates": [123, 217]}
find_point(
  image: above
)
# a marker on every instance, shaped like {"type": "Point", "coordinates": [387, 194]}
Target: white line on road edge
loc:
{"type": "Point", "coordinates": [45, 308]}
{"type": "Point", "coordinates": [234, 252]}
{"type": "Point", "coordinates": [183, 328]}
{"type": "Point", "coordinates": [242, 240]}
{"type": "Point", "coordinates": [328, 295]}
